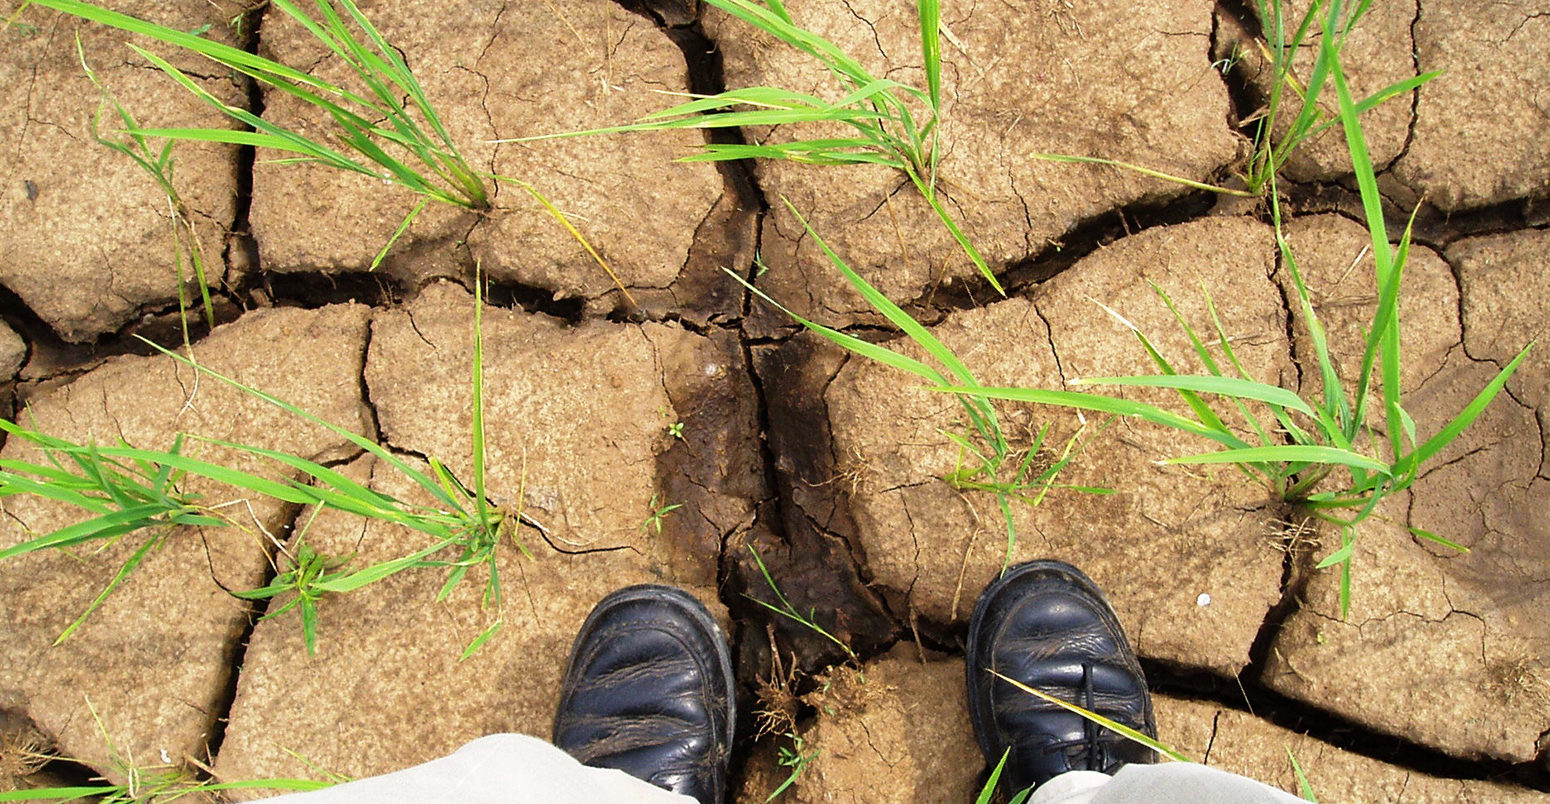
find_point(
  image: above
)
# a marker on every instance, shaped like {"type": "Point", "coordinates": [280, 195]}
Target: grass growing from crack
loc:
{"type": "Point", "coordinates": [792, 613]}
{"type": "Point", "coordinates": [795, 757]}
{"type": "Point", "coordinates": [157, 162]}
{"type": "Point", "coordinates": [388, 130]}
{"type": "Point", "coordinates": [887, 122]}
{"type": "Point", "coordinates": [1285, 36]}
{"type": "Point", "coordinates": [1307, 445]}
{"type": "Point", "coordinates": [126, 490]}
{"type": "Point", "coordinates": [987, 460]}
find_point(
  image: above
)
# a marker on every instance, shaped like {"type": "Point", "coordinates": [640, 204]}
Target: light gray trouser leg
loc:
{"type": "Point", "coordinates": [1169, 783]}
{"type": "Point", "coordinates": [498, 769]}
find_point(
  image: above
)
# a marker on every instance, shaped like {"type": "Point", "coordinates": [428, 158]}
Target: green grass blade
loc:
{"type": "Point", "coordinates": [1335, 407]}
{"type": "Point", "coordinates": [851, 343]}
{"type": "Point", "coordinates": [58, 794]}
{"type": "Point", "coordinates": [483, 637]}
{"type": "Point", "coordinates": [767, 97]}
{"type": "Point", "coordinates": [1223, 386]}
{"type": "Point", "coordinates": [358, 440]}
{"type": "Point", "coordinates": [128, 566]}
{"type": "Point", "coordinates": [776, 22]}
{"type": "Point", "coordinates": [377, 572]}
{"type": "Point", "coordinates": [1461, 422]}
{"type": "Point", "coordinates": [989, 790]}
{"type": "Point", "coordinates": [895, 315]}
{"type": "Point", "coordinates": [1435, 539]}
{"type": "Point", "coordinates": [930, 14]}
{"type": "Point", "coordinates": [106, 526]}
{"type": "Point", "coordinates": [952, 227]}
{"type": "Point", "coordinates": [1289, 452]}
{"type": "Point", "coordinates": [1114, 726]}
{"type": "Point", "coordinates": [983, 415]}
{"type": "Point", "coordinates": [477, 436]}
{"type": "Point", "coordinates": [1305, 789]}
{"type": "Point", "coordinates": [1145, 171]}
{"type": "Point", "coordinates": [1384, 320]}
{"type": "Point", "coordinates": [397, 233]}
{"type": "Point", "coordinates": [1100, 404]}
{"type": "Point", "coordinates": [235, 58]}
{"type": "Point", "coordinates": [1383, 255]}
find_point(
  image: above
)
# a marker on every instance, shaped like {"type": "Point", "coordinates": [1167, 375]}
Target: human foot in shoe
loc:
{"type": "Point", "coordinates": [1046, 625]}
{"type": "Point", "coordinates": [649, 691]}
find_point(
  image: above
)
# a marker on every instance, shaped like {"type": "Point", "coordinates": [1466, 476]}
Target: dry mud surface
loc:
{"type": "Point", "coordinates": [602, 415]}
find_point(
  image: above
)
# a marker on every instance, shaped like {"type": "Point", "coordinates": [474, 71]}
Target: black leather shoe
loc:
{"type": "Point", "coordinates": [1046, 625]}
{"type": "Point", "coordinates": [649, 691]}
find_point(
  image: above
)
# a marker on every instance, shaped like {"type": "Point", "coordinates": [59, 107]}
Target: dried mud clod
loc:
{"type": "Point", "coordinates": [155, 659]}
{"type": "Point", "coordinates": [86, 239]}
{"type": "Point", "coordinates": [502, 71]}
{"type": "Point", "coordinates": [638, 415]}
{"type": "Point", "coordinates": [1051, 78]}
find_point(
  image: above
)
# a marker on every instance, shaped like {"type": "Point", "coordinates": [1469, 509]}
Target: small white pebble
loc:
{"type": "Point", "coordinates": [166, 760]}
{"type": "Point", "coordinates": [1203, 600]}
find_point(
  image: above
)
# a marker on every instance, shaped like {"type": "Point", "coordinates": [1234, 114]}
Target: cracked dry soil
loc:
{"type": "Point", "coordinates": [1435, 688]}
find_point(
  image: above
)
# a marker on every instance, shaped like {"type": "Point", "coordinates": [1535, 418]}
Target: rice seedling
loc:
{"type": "Point", "coordinates": [658, 513]}
{"type": "Point", "coordinates": [886, 122]}
{"type": "Point", "coordinates": [794, 756]}
{"type": "Point", "coordinates": [1285, 35]}
{"type": "Point", "coordinates": [127, 490]}
{"type": "Point", "coordinates": [792, 613]}
{"type": "Point", "coordinates": [1319, 454]}
{"type": "Point", "coordinates": [158, 164]}
{"type": "Point", "coordinates": [988, 460]}
{"type": "Point", "coordinates": [389, 130]}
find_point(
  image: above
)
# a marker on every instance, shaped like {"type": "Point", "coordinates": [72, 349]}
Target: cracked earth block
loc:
{"type": "Point", "coordinates": [1240, 743]}
{"type": "Point", "coordinates": [1425, 618]}
{"type": "Point", "coordinates": [155, 660]}
{"type": "Point", "coordinates": [13, 352]}
{"type": "Point", "coordinates": [1377, 53]}
{"type": "Point", "coordinates": [506, 70]}
{"type": "Point", "coordinates": [1089, 79]}
{"type": "Point", "coordinates": [895, 733]}
{"type": "Point", "coordinates": [1166, 540]}
{"type": "Point", "coordinates": [1481, 127]}
{"type": "Point", "coordinates": [1507, 305]}
{"type": "Point", "coordinates": [577, 423]}
{"type": "Point", "coordinates": [85, 235]}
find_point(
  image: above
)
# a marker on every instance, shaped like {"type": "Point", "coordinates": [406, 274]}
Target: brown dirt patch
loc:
{"type": "Point", "coordinates": [85, 237]}
{"type": "Point", "coordinates": [1055, 79]}
{"type": "Point", "coordinates": [508, 71]}
{"type": "Point", "coordinates": [155, 660]}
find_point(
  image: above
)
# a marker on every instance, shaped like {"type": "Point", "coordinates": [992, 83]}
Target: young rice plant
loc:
{"type": "Point", "coordinates": [1284, 39]}
{"type": "Point", "coordinates": [1321, 454]}
{"type": "Point", "coordinates": [133, 491]}
{"type": "Point", "coordinates": [389, 131]}
{"type": "Point", "coordinates": [993, 465]}
{"type": "Point", "coordinates": [880, 114]}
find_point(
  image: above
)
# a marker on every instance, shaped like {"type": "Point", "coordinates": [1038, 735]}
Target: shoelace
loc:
{"type": "Point", "coordinates": [1093, 741]}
